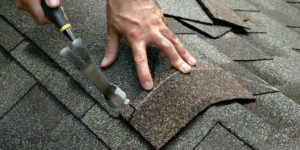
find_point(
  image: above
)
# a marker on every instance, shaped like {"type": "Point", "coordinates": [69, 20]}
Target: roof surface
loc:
{"type": "Point", "coordinates": [246, 50]}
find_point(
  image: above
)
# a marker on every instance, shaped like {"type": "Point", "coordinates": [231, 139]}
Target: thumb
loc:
{"type": "Point", "coordinates": [52, 3]}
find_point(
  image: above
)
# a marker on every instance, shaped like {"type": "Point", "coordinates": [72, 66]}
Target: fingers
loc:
{"type": "Point", "coordinates": [35, 9]}
{"type": "Point", "coordinates": [171, 53]}
{"type": "Point", "coordinates": [182, 51]}
{"type": "Point", "coordinates": [111, 50]}
{"type": "Point", "coordinates": [141, 62]}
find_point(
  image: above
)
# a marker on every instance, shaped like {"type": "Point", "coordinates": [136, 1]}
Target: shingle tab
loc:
{"type": "Point", "coordinates": [220, 138]}
{"type": "Point", "coordinates": [178, 8]}
{"type": "Point", "coordinates": [113, 131]}
{"type": "Point", "coordinates": [9, 37]}
{"type": "Point", "coordinates": [160, 114]}
{"type": "Point", "coordinates": [280, 71]}
{"type": "Point", "coordinates": [177, 27]}
{"type": "Point", "coordinates": [280, 112]}
{"type": "Point", "coordinates": [71, 134]}
{"type": "Point", "coordinates": [239, 49]}
{"type": "Point", "coordinates": [28, 124]}
{"type": "Point", "coordinates": [53, 78]}
{"type": "Point", "coordinates": [291, 91]}
{"type": "Point", "coordinates": [14, 82]}
{"type": "Point", "coordinates": [214, 31]}
{"type": "Point", "coordinates": [240, 5]}
{"type": "Point", "coordinates": [219, 12]}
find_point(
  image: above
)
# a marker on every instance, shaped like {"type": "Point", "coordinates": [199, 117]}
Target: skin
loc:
{"type": "Point", "coordinates": [141, 22]}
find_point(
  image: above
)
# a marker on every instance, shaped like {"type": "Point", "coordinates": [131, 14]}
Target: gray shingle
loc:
{"type": "Point", "coordinates": [177, 27]}
{"type": "Point", "coordinates": [160, 114]}
{"type": "Point", "coordinates": [279, 10]}
{"type": "Point", "coordinates": [240, 5]}
{"type": "Point", "coordinates": [238, 49]}
{"type": "Point", "coordinates": [202, 50]}
{"type": "Point", "coordinates": [255, 88]}
{"type": "Point", "coordinates": [71, 134]}
{"type": "Point", "coordinates": [278, 41]}
{"type": "Point", "coordinates": [178, 8]}
{"type": "Point", "coordinates": [291, 91]}
{"type": "Point", "coordinates": [53, 78]}
{"type": "Point", "coordinates": [280, 71]}
{"type": "Point", "coordinates": [220, 138]}
{"type": "Point", "coordinates": [27, 125]}
{"type": "Point", "coordinates": [252, 129]}
{"type": "Point", "coordinates": [9, 37]}
{"type": "Point", "coordinates": [280, 112]}
{"type": "Point", "coordinates": [14, 82]}
{"type": "Point", "coordinates": [213, 31]}
{"type": "Point", "coordinates": [113, 131]}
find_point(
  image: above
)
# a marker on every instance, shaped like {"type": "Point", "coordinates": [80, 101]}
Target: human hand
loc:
{"type": "Point", "coordinates": [35, 9]}
{"type": "Point", "coordinates": [141, 22]}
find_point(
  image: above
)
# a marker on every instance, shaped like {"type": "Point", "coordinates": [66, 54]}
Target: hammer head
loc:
{"type": "Point", "coordinates": [81, 59]}
{"type": "Point", "coordinates": [117, 98]}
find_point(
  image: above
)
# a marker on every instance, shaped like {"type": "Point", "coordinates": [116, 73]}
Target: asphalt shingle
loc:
{"type": "Point", "coordinates": [222, 13]}
{"type": "Point", "coordinates": [278, 41]}
{"type": "Point", "coordinates": [14, 82]}
{"type": "Point", "coordinates": [241, 5]}
{"type": "Point", "coordinates": [71, 134]}
{"type": "Point", "coordinates": [238, 49]}
{"type": "Point", "coordinates": [291, 91]}
{"type": "Point", "coordinates": [53, 78]}
{"type": "Point", "coordinates": [279, 71]}
{"type": "Point", "coordinates": [280, 112]}
{"type": "Point", "coordinates": [27, 125]}
{"type": "Point", "coordinates": [220, 138]}
{"type": "Point", "coordinates": [177, 27]}
{"type": "Point", "coordinates": [178, 8]}
{"type": "Point", "coordinates": [279, 10]}
{"type": "Point", "coordinates": [113, 131]}
{"type": "Point", "coordinates": [214, 31]}
{"type": "Point", "coordinates": [9, 37]}
{"type": "Point", "coordinates": [160, 114]}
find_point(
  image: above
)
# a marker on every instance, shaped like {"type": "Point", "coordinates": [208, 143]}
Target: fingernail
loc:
{"type": "Point", "coordinates": [185, 67]}
{"type": "Point", "coordinates": [192, 61]}
{"type": "Point", "coordinates": [52, 3]}
{"type": "Point", "coordinates": [147, 85]}
{"type": "Point", "coordinates": [104, 62]}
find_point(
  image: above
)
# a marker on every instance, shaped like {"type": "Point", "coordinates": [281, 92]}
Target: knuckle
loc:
{"type": "Point", "coordinates": [140, 59]}
{"type": "Point", "coordinates": [165, 45]}
{"type": "Point", "coordinates": [134, 34]}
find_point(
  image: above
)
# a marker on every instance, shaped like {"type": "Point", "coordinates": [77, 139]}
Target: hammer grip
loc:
{"type": "Point", "coordinates": [57, 16]}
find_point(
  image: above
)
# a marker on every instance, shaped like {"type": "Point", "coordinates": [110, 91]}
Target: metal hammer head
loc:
{"type": "Point", "coordinates": [82, 60]}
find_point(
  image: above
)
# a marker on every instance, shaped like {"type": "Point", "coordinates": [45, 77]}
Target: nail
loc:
{"type": "Point", "coordinates": [185, 68]}
{"type": "Point", "coordinates": [148, 85]}
{"type": "Point", "coordinates": [104, 62]}
{"type": "Point", "coordinates": [192, 61]}
{"type": "Point", "coordinates": [52, 3]}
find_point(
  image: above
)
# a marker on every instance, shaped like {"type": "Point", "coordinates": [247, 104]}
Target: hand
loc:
{"type": "Point", "coordinates": [141, 22]}
{"type": "Point", "coordinates": [35, 9]}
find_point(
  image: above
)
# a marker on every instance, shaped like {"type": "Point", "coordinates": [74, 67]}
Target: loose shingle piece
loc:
{"type": "Point", "coordinates": [178, 8]}
{"type": "Point", "coordinates": [160, 114]}
{"type": "Point", "coordinates": [221, 13]}
{"type": "Point", "coordinates": [214, 31]}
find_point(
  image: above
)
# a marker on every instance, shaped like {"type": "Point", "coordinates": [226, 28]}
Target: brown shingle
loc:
{"type": "Point", "coordinates": [160, 114]}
